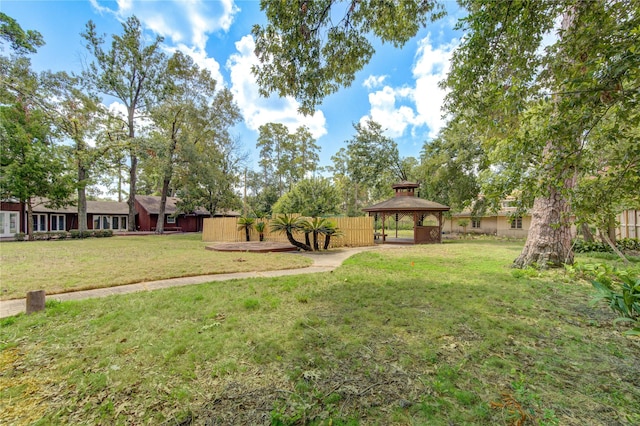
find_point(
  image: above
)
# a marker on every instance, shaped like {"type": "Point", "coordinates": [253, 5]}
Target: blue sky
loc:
{"type": "Point", "coordinates": [398, 88]}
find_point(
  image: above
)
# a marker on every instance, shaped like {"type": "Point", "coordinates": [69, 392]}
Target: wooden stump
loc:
{"type": "Point", "coordinates": [35, 301]}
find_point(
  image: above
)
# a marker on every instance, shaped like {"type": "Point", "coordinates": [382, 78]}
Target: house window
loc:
{"type": "Point", "coordinates": [516, 222]}
{"type": "Point", "coordinates": [171, 219]}
{"type": "Point", "coordinates": [39, 222]}
{"type": "Point", "coordinates": [13, 223]}
{"type": "Point", "coordinates": [110, 222]}
{"type": "Point", "coordinates": [475, 223]}
{"type": "Point", "coordinates": [57, 222]}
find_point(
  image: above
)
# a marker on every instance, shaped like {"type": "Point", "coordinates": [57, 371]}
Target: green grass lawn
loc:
{"type": "Point", "coordinates": [429, 335]}
{"type": "Point", "coordinates": [60, 266]}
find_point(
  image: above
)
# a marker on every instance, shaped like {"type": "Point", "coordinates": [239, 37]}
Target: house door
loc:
{"type": "Point", "coordinates": [9, 224]}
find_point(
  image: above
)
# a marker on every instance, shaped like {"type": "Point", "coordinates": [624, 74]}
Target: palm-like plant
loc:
{"type": "Point", "coordinates": [260, 227]}
{"type": "Point", "coordinates": [319, 226]}
{"type": "Point", "coordinates": [313, 227]}
{"type": "Point", "coordinates": [288, 225]}
{"type": "Point", "coordinates": [246, 223]}
{"type": "Point", "coordinates": [330, 230]}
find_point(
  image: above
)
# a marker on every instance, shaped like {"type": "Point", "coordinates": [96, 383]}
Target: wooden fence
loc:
{"type": "Point", "coordinates": [358, 232]}
{"type": "Point", "coordinates": [629, 227]}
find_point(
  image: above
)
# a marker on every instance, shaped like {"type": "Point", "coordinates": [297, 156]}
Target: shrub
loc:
{"type": "Point", "coordinates": [621, 291]}
{"type": "Point", "coordinates": [96, 233]}
{"type": "Point", "coordinates": [625, 244]}
{"type": "Point", "coordinates": [20, 236]}
{"type": "Point", "coordinates": [629, 244]}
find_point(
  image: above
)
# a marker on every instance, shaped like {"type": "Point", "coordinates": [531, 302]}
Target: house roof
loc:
{"type": "Point", "coordinates": [93, 207]}
{"type": "Point", "coordinates": [228, 213]}
{"type": "Point", "coordinates": [500, 213]}
{"type": "Point", "coordinates": [39, 205]}
{"type": "Point", "coordinates": [151, 203]}
{"type": "Point", "coordinates": [401, 204]}
{"type": "Point", "coordinates": [107, 207]}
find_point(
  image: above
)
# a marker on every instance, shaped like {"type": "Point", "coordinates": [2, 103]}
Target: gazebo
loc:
{"type": "Point", "coordinates": [406, 204]}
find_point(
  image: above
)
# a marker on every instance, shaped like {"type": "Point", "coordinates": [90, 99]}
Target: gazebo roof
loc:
{"type": "Point", "coordinates": [407, 204]}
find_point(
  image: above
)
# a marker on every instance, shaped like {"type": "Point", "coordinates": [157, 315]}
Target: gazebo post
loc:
{"type": "Point", "coordinates": [397, 220]}
{"type": "Point", "coordinates": [383, 234]}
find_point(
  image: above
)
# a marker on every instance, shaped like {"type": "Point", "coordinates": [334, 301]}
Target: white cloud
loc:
{"type": "Point", "coordinates": [374, 81]}
{"type": "Point", "coordinates": [177, 20]}
{"type": "Point", "coordinates": [118, 109]}
{"type": "Point", "coordinates": [125, 5]}
{"type": "Point", "coordinates": [185, 25]}
{"type": "Point", "coordinates": [230, 10]}
{"type": "Point", "coordinates": [390, 105]}
{"type": "Point", "coordinates": [258, 110]}
{"type": "Point", "coordinates": [431, 67]}
{"type": "Point", "coordinates": [384, 111]}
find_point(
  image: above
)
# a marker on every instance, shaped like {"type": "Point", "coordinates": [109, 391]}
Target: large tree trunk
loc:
{"type": "Point", "coordinates": [133, 168]}
{"type": "Point", "coordinates": [549, 240]}
{"type": "Point", "coordinates": [131, 201]}
{"type": "Point", "coordinates": [163, 206]}
{"type": "Point", "coordinates": [168, 173]}
{"type": "Point", "coordinates": [612, 230]}
{"type": "Point", "coordinates": [29, 220]}
{"type": "Point", "coordinates": [82, 199]}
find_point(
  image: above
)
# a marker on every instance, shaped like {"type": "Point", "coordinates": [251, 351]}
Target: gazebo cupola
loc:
{"type": "Point", "coordinates": [405, 189]}
{"type": "Point", "coordinates": [406, 204]}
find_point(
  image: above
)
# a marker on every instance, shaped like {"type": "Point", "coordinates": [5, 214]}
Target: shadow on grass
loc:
{"type": "Point", "coordinates": [417, 336]}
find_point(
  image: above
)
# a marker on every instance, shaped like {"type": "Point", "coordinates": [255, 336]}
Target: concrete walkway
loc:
{"type": "Point", "coordinates": [322, 262]}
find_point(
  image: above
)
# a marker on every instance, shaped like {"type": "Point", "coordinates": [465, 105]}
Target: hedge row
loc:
{"type": "Point", "coordinates": [61, 235]}
{"type": "Point", "coordinates": [625, 244]}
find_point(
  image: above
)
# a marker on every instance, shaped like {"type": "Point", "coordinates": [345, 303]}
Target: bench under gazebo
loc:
{"type": "Point", "coordinates": [406, 204]}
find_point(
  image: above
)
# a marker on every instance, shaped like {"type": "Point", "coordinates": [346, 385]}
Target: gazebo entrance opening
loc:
{"type": "Point", "coordinates": [406, 219]}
